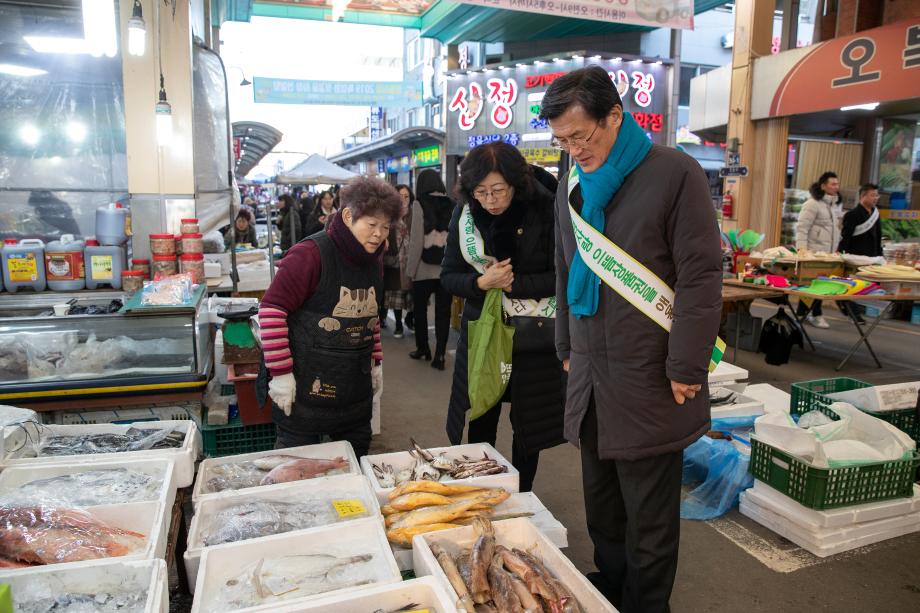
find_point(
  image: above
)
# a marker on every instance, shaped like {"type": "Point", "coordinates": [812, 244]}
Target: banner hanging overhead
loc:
{"type": "Point", "coordinates": [352, 93]}
{"type": "Point", "coordinates": [653, 13]}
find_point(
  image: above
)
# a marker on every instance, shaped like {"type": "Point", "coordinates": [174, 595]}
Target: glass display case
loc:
{"type": "Point", "coordinates": [97, 350]}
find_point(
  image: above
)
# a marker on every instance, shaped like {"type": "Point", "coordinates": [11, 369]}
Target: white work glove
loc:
{"type": "Point", "coordinates": [282, 390]}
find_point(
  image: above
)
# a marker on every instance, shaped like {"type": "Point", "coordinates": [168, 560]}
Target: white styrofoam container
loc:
{"type": "Point", "coordinates": [824, 542]}
{"type": "Point", "coordinates": [426, 593]}
{"type": "Point", "coordinates": [130, 414]}
{"type": "Point", "coordinates": [810, 519]}
{"type": "Point", "coordinates": [727, 373]}
{"type": "Point", "coordinates": [224, 562]}
{"type": "Point", "coordinates": [522, 502]}
{"type": "Point", "coordinates": [16, 476]}
{"type": "Point", "coordinates": [399, 460]}
{"type": "Point", "coordinates": [16, 440]}
{"type": "Point", "coordinates": [774, 399]}
{"type": "Point", "coordinates": [518, 533]}
{"type": "Point", "coordinates": [340, 487]}
{"type": "Point", "coordinates": [322, 451]}
{"type": "Point", "coordinates": [744, 406]}
{"type": "Point", "coordinates": [95, 577]}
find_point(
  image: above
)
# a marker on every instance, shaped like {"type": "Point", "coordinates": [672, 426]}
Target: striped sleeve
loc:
{"type": "Point", "coordinates": [378, 345]}
{"type": "Point", "coordinates": [275, 344]}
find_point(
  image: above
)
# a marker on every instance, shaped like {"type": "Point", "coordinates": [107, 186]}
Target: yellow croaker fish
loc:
{"type": "Point", "coordinates": [480, 559]}
{"type": "Point", "coordinates": [408, 502]}
{"type": "Point", "coordinates": [392, 518]}
{"type": "Point", "coordinates": [435, 515]}
{"type": "Point", "coordinates": [495, 497]}
{"type": "Point", "coordinates": [403, 536]}
{"type": "Point", "coordinates": [432, 487]}
{"type": "Point", "coordinates": [453, 575]}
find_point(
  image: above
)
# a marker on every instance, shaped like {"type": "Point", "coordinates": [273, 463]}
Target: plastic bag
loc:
{"type": "Point", "coordinates": [169, 291]}
{"type": "Point", "coordinates": [814, 418]}
{"type": "Point", "coordinates": [723, 470]}
{"type": "Point", "coordinates": [489, 356]}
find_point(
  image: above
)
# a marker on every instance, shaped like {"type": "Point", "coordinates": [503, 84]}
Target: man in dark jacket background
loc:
{"type": "Point", "coordinates": [862, 228]}
{"type": "Point", "coordinates": [637, 394]}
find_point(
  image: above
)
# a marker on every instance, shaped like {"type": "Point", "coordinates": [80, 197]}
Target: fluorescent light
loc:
{"type": "Point", "coordinates": [164, 123]}
{"type": "Point", "coordinates": [637, 61]}
{"type": "Point", "coordinates": [556, 59]}
{"type": "Point", "coordinates": [536, 136]}
{"type": "Point", "coordinates": [596, 57]}
{"type": "Point", "coordinates": [56, 44]}
{"type": "Point", "coordinates": [658, 63]}
{"type": "Point", "coordinates": [869, 106]}
{"type": "Point", "coordinates": [137, 31]}
{"type": "Point", "coordinates": [99, 27]}
{"type": "Point", "coordinates": [21, 71]}
{"type": "Point", "coordinates": [501, 67]}
{"type": "Point", "coordinates": [617, 59]}
{"type": "Point", "coordinates": [520, 65]}
{"type": "Point", "coordinates": [76, 131]}
{"type": "Point", "coordinates": [576, 57]}
{"type": "Point", "coordinates": [29, 134]}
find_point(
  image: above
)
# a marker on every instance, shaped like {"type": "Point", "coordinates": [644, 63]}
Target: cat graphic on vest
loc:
{"type": "Point", "coordinates": [353, 303]}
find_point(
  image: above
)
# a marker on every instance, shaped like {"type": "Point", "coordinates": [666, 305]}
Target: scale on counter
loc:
{"type": "Point", "coordinates": [240, 345]}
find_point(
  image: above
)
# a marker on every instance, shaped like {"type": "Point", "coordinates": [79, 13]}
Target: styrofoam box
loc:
{"type": "Point", "coordinates": [224, 562]}
{"type": "Point", "coordinates": [744, 406]}
{"type": "Point", "coordinates": [340, 487]}
{"type": "Point", "coordinates": [322, 451]}
{"type": "Point", "coordinates": [518, 533]}
{"type": "Point", "coordinates": [399, 460]}
{"type": "Point", "coordinates": [522, 502]}
{"type": "Point", "coordinates": [727, 373]}
{"type": "Point", "coordinates": [16, 441]}
{"type": "Point", "coordinates": [130, 414]}
{"type": "Point", "coordinates": [824, 542]}
{"type": "Point", "coordinates": [425, 593]}
{"type": "Point", "coordinates": [93, 578]}
{"type": "Point", "coordinates": [16, 476]}
{"type": "Point", "coordinates": [765, 496]}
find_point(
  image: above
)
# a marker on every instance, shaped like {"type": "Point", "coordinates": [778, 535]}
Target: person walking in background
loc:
{"type": "Point", "coordinates": [305, 208]}
{"type": "Point", "coordinates": [396, 284]}
{"type": "Point", "coordinates": [512, 215]}
{"type": "Point", "coordinates": [289, 223]}
{"type": "Point", "coordinates": [817, 231]}
{"type": "Point", "coordinates": [427, 239]}
{"type": "Point", "coordinates": [320, 212]}
{"type": "Point", "coordinates": [243, 231]}
{"type": "Point", "coordinates": [637, 393]}
{"type": "Point", "coordinates": [318, 323]}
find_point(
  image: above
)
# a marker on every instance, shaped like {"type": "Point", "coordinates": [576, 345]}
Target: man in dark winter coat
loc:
{"type": "Point", "coordinates": [637, 394]}
{"type": "Point", "coordinates": [862, 229]}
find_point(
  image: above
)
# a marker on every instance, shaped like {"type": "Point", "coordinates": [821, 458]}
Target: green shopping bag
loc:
{"type": "Point", "coordinates": [488, 356]}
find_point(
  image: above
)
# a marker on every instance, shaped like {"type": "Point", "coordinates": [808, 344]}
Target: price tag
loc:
{"type": "Point", "coordinates": [349, 508]}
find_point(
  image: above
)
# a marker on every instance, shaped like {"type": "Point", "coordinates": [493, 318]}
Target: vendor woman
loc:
{"type": "Point", "coordinates": [318, 321]}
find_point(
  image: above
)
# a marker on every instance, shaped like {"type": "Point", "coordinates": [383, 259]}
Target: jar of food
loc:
{"type": "Point", "coordinates": [163, 266]}
{"type": "Point", "coordinates": [193, 263]}
{"type": "Point", "coordinates": [132, 281]}
{"type": "Point", "coordinates": [141, 265]}
{"type": "Point", "coordinates": [178, 240]}
{"type": "Point", "coordinates": [189, 226]}
{"type": "Point", "coordinates": [192, 243]}
{"type": "Point", "coordinates": [163, 244]}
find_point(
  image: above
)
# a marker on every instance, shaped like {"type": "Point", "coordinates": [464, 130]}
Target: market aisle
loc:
{"type": "Point", "coordinates": [732, 564]}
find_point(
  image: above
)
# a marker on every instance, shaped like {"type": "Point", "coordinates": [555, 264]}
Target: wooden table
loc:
{"type": "Point", "coordinates": [887, 300]}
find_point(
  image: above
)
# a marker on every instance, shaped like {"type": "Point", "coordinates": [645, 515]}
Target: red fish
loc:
{"type": "Point", "coordinates": [303, 468]}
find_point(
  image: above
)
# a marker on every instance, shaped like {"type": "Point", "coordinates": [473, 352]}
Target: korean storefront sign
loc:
{"type": "Point", "coordinates": [871, 66]}
{"type": "Point", "coordinates": [400, 164]}
{"type": "Point", "coordinates": [429, 156]}
{"type": "Point", "coordinates": [352, 93]}
{"type": "Point", "coordinates": [541, 155]}
{"type": "Point", "coordinates": [505, 104]}
{"type": "Point", "coordinates": [654, 13]}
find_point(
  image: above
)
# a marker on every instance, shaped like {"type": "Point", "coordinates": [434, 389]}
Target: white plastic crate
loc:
{"type": "Point", "coordinates": [513, 533]}
{"type": "Point", "coordinates": [399, 460]}
{"type": "Point", "coordinates": [224, 562]}
{"type": "Point", "coordinates": [95, 578]}
{"type": "Point", "coordinates": [17, 442]}
{"type": "Point", "coordinates": [426, 594]}
{"type": "Point", "coordinates": [322, 451]}
{"type": "Point", "coordinates": [341, 487]}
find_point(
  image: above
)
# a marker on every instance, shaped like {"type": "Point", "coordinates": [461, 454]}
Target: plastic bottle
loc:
{"type": "Point", "coordinates": [113, 224]}
{"type": "Point", "coordinates": [23, 265]}
{"type": "Point", "coordinates": [64, 268]}
{"type": "Point", "coordinates": [104, 264]}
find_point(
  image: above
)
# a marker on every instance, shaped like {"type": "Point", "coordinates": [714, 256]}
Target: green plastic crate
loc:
{"type": "Point", "coordinates": [812, 395]}
{"type": "Point", "coordinates": [830, 488]}
{"type": "Point", "coordinates": [236, 438]}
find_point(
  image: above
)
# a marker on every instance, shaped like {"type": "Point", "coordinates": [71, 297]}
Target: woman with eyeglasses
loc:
{"type": "Point", "coordinates": [506, 215]}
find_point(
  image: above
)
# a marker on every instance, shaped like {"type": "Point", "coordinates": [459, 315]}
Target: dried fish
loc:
{"type": "Point", "coordinates": [503, 594]}
{"type": "Point", "coordinates": [385, 475]}
{"type": "Point", "coordinates": [480, 559]}
{"type": "Point", "coordinates": [433, 487]}
{"type": "Point", "coordinates": [87, 488]}
{"type": "Point", "coordinates": [122, 602]}
{"type": "Point", "coordinates": [453, 575]}
{"type": "Point", "coordinates": [437, 514]}
{"type": "Point", "coordinates": [428, 467]}
{"type": "Point", "coordinates": [403, 536]}
{"type": "Point", "coordinates": [260, 518]}
{"type": "Point", "coordinates": [407, 502]}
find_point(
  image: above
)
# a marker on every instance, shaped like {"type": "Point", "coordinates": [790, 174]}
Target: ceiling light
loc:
{"type": "Point", "coordinates": [637, 61]}
{"type": "Point", "coordinates": [556, 59]}
{"type": "Point", "coordinates": [55, 44]}
{"type": "Point", "coordinates": [501, 67]}
{"type": "Point", "coordinates": [99, 27]}
{"type": "Point", "coordinates": [163, 112]}
{"type": "Point", "coordinates": [29, 134]}
{"type": "Point", "coordinates": [617, 59]}
{"type": "Point", "coordinates": [245, 82]}
{"type": "Point", "coordinates": [658, 63]}
{"type": "Point", "coordinates": [76, 132]}
{"type": "Point", "coordinates": [520, 65]}
{"type": "Point", "coordinates": [576, 57]}
{"type": "Point", "coordinates": [869, 106]}
{"type": "Point", "coordinates": [21, 71]}
{"type": "Point", "coordinates": [137, 31]}
{"type": "Point", "coordinates": [596, 57]}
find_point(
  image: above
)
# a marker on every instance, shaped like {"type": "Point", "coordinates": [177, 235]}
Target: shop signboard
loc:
{"type": "Point", "coordinates": [505, 104]}
{"type": "Point", "coordinates": [349, 93]}
{"type": "Point", "coordinates": [415, 8]}
{"type": "Point", "coordinates": [895, 155]}
{"type": "Point", "coordinates": [237, 148]}
{"type": "Point", "coordinates": [400, 164]}
{"type": "Point", "coordinates": [871, 66]}
{"type": "Point", "coordinates": [376, 123]}
{"type": "Point", "coordinates": [381, 166]}
{"type": "Point", "coordinates": [653, 13]}
{"type": "Point", "coordinates": [541, 155]}
{"type": "Point", "coordinates": [428, 156]}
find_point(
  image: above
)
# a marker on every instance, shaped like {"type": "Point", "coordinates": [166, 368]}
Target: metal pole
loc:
{"type": "Point", "coordinates": [676, 39]}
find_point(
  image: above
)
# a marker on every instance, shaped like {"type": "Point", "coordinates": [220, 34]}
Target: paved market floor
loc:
{"type": "Point", "coordinates": [730, 564]}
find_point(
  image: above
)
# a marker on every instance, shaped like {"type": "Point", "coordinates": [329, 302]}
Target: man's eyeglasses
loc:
{"type": "Point", "coordinates": [497, 192]}
{"type": "Point", "coordinates": [565, 144]}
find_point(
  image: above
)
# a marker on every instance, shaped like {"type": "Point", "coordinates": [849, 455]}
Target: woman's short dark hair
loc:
{"type": "Point", "coordinates": [371, 196]}
{"type": "Point", "coordinates": [322, 195]}
{"type": "Point", "coordinates": [429, 182]}
{"type": "Point", "coordinates": [288, 201]}
{"type": "Point", "coordinates": [589, 87]}
{"type": "Point", "coordinates": [408, 189]}
{"type": "Point", "coordinates": [495, 157]}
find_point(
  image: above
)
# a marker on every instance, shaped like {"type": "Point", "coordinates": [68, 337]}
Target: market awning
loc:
{"type": "Point", "coordinates": [315, 170]}
{"type": "Point", "coordinates": [410, 138]}
{"type": "Point", "coordinates": [255, 141]}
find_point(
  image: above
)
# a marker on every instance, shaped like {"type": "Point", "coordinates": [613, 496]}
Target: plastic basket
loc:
{"type": "Point", "coordinates": [235, 438]}
{"type": "Point", "coordinates": [812, 395]}
{"type": "Point", "coordinates": [830, 488]}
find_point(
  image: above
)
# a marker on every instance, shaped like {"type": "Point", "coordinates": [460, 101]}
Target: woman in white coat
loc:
{"type": "Point", "coordinates": [818, 231]}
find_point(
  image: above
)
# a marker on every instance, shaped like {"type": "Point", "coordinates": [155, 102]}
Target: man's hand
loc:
{"type": "Point", "coordinates": [565, 365]}
{"type": "Point", "coordinates": [682, 391]}
{"type": "Point", "coordinates": [282, 390]}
